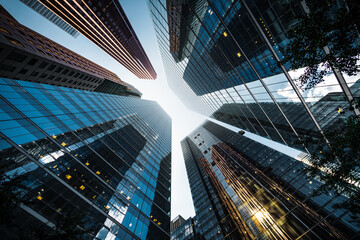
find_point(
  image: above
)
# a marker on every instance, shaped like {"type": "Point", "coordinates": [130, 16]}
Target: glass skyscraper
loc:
{"type": "Point", "coordinates": [255, 192]}
{"type": "Point", "coordinates": [105, 23]}
{"type": "Point", "coordinates": [225, 56]}
{"type": "Point", "coordinates": [103, 157]}
{"type": "Point", "coordinates": [45, 12]}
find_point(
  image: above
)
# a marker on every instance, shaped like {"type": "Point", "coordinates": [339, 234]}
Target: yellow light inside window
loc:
{"type": "Point", "coordinates": [159, 223]}
{"type": "Point", "coordinates": [4, 30]}
{"type": "Point", "coordinates": [68, 176]}
{"type": "Point", "coordinates": [82, 187]}
{"type": "Point", "coordinates": [225, 34]}
{"type": "Point", "coordinates": [59, 209]}
{"type": "Point", "coordinates": [155, 220]}
{"type": "Point", "coordinates": [97, 172]}
{"type": "Point", "coordinates": [54, 136]}
{"type": "Point", "coordinates": [151, 216]}
{"type": "Point", "coordinates": [55, 166]}
{"type": "Point", "coordinates": [76, 155]}
{"type": "Point", "coordinates": [107, 207]}
{"type": "Point", "coordinates": [15, 42]}
{"type": "Point", "coordinates": [87, 164]}
{"type": "Point", "coordinates": [238, 54]}
{"type": "Point", "coordinates": [128, 198]}
{"type": "Point", "coordinates": [39, 197]}
{"type": "Point", "coordinates": [94, 196]}
{"type": "Point", "coordinates": [63, 144]}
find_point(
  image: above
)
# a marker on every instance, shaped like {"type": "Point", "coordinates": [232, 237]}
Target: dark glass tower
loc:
{"type": "Point", "coordinates": [104, 22]}
{"type": "Point", "coordinates": [30, 56]}
{"type": "Point", "coordinates": [182, 229]}
{"type": "Point", "coordinates": [103, 157]}
{"type": "Point", "coordinates": [223, 59]}
{"type": "Point", "coordinates": [260, 192]}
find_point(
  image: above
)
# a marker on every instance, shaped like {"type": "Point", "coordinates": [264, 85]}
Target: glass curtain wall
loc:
{"type": "Point", "coordinates": [223, 58]}
{"type": "Point", "coordinates": [104, 157]}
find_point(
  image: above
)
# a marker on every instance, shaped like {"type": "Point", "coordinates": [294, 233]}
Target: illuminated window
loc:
{"type": "Point", "coordinates": [97, 172]}
{"type": "Point", "coordinates": [225, 34]}
{"type": "Point", "coordinates": [63, 144]}
{"type": "Point", "coordinates": [238, 54]}
{"type": "Point", "coordinates": [4, 30]}
{"type": "Point", "coordinates": [39, 197]}
{"type": "Point", "coordinates": [68, 176]}
{"type": "Point", "coordinates": [15, 42]}
{"type": "Point", "coordinates": [82, 187]}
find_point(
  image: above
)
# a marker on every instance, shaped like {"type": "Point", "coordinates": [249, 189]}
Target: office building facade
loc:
{"type": "Point", "coordinates": [266, 193]}
{"type": "Point", "coordinates": [227, 55]}
{"type": "Point", "coordinates": [27, 55]}
{"type": "Point", "coordinates": [103, 157]}
{"type": "Point", "coordinates": [182, 229]}
{"type": "Point", "coordinates": [104, 22]}
{"type": "Point", "coordinates": [46, 13]}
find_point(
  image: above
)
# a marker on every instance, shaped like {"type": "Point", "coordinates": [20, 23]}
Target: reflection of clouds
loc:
{"type": "Point", "coordinates": [330, 84]}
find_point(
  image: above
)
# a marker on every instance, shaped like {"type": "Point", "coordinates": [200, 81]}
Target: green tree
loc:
{"type": "Point", "coordinates": [325, 27]}
{"type": "Point", "coordinates": [68, 227]}
{"type": "Point", "coordinates": [11, 191]}
{"type": "Point", "coordinates": [337, 165]}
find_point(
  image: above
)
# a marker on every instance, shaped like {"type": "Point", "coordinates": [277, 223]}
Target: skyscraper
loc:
{"type": "Point", "coordinates": [45, 12]}
{"type": "Point", "coordinates": [182, 229]}
{"type": "Point", "coordinates": [227, 54]}
{"type": "Point", "coordinates": [30, 56]}
{"type": "Point", "coordinates": [265, 193]}
{"type": "Point", "coordinates": [100, 158]}
{"type": "Point", "coordinates": [104, 22]}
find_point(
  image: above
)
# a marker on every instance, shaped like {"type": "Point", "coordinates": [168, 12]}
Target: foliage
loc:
{"type": "Point", "coordinates": [338, 165]}
{"type": "Point", "coordinates": [68, 227]}
{"type": "Point", "coordinates": [12, 189]}
{"type": "Point", "coordinates": [325, 25]}
{"type": "Point", "coordinates": [10, 196]}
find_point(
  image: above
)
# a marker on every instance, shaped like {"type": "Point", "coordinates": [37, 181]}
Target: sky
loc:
{"type": "Point", "coordinates": [183, 120]}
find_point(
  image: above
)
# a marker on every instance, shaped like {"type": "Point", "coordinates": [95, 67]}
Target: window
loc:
{"type": "Point", "coordinates": [51, 67]}
{"type": "Point", "coordinates": [34, 74]}
{"type": "Point", "coordinates": [59, 69]}
{"type": "Point", "coordinates": [17, 57]}
{"type": "Point", "coordinates": [15, 42]}
{"type": "Point", "coordinates": [43, 65]}
{"type": "Point", "coordinates": [4, 30]}
{"type": "Point", "coordinates": [5, 67]}
{"type": "Point", "coordinates": [23, 71]}
{"type": "Point", "coordinates": [32, 62]}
